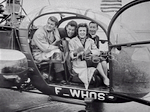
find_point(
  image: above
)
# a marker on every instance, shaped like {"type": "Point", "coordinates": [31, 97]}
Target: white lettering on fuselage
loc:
{"type": "Point", "coordinates": [57, 90]}
{"type": "Point", "coordinates": [93, 95]}
{"type": "Point", "coordinates": [86, 94]}
{"type": "Point", "coordinates": [101, 96]}
{"type": "Point", "coordinates": [82, 94]}
{"type": "Point", "coordinates": [74, 93]}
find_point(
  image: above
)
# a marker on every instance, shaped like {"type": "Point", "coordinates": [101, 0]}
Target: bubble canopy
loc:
{"type": "Point", "coordinates": [129, 34]}
{"type": "Point", "coordinates": [130, 24]}
{"type": "Point", "coordinates": [63, 12]}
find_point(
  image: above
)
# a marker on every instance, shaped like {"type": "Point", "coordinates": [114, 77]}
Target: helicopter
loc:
{"type": "Point", "coordinates": [125, 37]}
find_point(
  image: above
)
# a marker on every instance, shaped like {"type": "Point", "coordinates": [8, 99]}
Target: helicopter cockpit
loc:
{"type": "Point", "coordinates": [130, 40]}
{"type": "Point", "coordinates": [124, 40]}
{"type": "Point", "coordinates": [37, 19]}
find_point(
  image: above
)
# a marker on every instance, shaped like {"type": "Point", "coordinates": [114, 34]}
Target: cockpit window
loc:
{"type": "Point", "coordinates": [64, 18]}
{"type": "Point", "coordinates": [41, 21]}
{"type": "Point", "coordinates": [132, 25]}
{"type": "Point", "coordinates": [130, 51]}
{"type": "Point", "coordinates": [95, 15]}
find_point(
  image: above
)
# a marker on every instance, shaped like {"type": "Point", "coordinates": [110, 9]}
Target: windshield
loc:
{"type": "Point", "coordinates": [133, 25]}
{"type": "Point", "coordinates": [130, 49]}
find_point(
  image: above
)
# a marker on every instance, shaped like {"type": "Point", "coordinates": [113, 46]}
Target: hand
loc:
{"type": "Point", "coordinates": [81, 55]}
{"type": "Point", "coordinates": [68, 39]}
{"type": "Point", "coordinates": [87, 53]}
{"type": "Point", "coordinates": [80, 49]}
{"type": "Point", "coordinates": [74, 55]}
{"type": "Point", "coordinates": [77, 55]}
{"type": "Point", "coordinates": [55, 47]}
{"type": "Point", "coordinates": [57, 43]}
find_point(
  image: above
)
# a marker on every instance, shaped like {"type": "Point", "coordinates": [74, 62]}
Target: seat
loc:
{"type": "Point", "coordinates": [46, 66]}
{"type": "Point", "coordinates": [43, 66]}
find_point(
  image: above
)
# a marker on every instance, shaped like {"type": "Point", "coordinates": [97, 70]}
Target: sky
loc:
{"type": "Point", "coordinates": [33, 4]}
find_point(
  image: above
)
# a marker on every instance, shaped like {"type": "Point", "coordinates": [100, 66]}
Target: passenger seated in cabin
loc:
{"type": "Point", "coordinates": [69, 31]}
{"type": "Point", "coordinates": [44, 44]}
{"type": "Point", "coordinates": [66, 34]}
{"type": "Point", "coordinates": [93, 27]}
{"type": "Point", "coordinates": [80, 46]}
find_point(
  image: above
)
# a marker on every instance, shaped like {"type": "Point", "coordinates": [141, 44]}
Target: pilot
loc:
{"type": "Point", "coordinates": [93, 27]}
{"type": "Point", "coordinates": [44, 44]}
{"type": "Point", "coordinates": [83, 45]}
{"type": "Point", "coordinates": [66, 34]}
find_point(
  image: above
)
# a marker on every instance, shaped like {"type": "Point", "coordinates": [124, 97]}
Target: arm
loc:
{"type": "Point", "coordinates": [57, 36]}
{"type": "Point", "coordinates": [97, 41]}
{"type": "Point", "coordinates": [73, 52]}
{"type": "Point", "coordinates": [40, 41]}
{"type": "Point", "coordinates": [94, 48]}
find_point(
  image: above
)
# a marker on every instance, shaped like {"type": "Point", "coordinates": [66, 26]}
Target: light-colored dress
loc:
{"type": "Point", "coordinates": [80, 67]}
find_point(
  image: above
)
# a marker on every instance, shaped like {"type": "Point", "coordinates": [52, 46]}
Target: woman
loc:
{"type": "Point", "coordinates": [80, 46]}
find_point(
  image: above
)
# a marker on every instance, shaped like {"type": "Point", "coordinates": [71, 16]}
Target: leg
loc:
{"type": "Point", "coordinates": [68, 64]}
{"type": "Point", "coordinates": [105, 79]}
{"type": "Point", "coordinates": [59, 69]}
{"type": "Point", "coordinates": [104, 66]}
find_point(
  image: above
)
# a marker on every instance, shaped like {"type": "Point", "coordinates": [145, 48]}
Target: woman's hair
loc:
{"type": "Point", "coordinates": [54, 19]}
{"type": "Point", "coordinates": [83, 25]}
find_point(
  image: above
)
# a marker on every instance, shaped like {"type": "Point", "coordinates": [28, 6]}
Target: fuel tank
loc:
{"type": "Point", "coordinates": [13, 67]}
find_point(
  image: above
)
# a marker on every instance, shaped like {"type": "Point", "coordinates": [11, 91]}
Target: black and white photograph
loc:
{"type": "Point", "coordinates": [74, 56]}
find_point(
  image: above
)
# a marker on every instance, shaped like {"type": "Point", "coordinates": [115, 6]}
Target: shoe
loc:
{"type": "Point", "coordinates": [50, 78]}
{"type": "Point", "coordinates": [44, 75]}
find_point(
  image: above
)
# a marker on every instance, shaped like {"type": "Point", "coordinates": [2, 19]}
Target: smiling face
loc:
{"type": "Point", "coordinates": [93, 28]}
{"type": "Point", "coordinates": [50, 25]}
{"type": "Point", "coordinates": [82, 31]}
{"type": "Point", "coordinates": [70, 30]}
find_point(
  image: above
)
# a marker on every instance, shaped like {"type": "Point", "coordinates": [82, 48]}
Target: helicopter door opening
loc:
{"type": "Point", "coordinates": [47, 68]}
{"type": "Point", "coordinates": [129, 35]}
